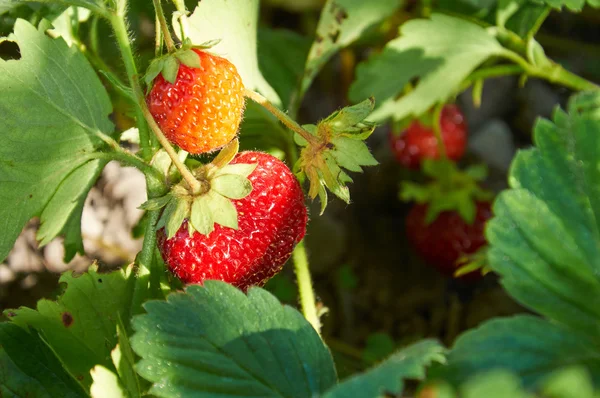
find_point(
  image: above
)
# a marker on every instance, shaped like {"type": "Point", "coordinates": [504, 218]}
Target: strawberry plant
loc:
{"type": "Point", "coordinates": [212, 102]}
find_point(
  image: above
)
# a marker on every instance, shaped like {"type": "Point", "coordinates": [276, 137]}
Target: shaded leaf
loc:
{"type": "Point", "coordinates": [216, 340]}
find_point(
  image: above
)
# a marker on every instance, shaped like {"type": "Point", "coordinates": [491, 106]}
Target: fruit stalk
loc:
{"type": "Point", "coordinates": [187, 175]}
{"type": "Point", "coordinates": [305, 288]}
{"type": "Point", "coordinates": [437, 130]}
{"type": "Point", "coordinates": [282, 116]}
{"type": "Point", "coordinates": [164, 27]}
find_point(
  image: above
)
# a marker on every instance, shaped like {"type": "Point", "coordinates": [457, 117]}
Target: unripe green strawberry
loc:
{"type": "Point", "coordinates": [201, 112]}
{"type": "Point", "coordinates": [271, 221]}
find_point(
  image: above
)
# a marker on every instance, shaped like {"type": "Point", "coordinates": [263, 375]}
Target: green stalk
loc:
{"type": "Point", "coordinates": [553, 73]}
{"type": "Point", "coordinates": [118, 25]}
{"type": "Point", "coordinates": [305, 288]}
{"type": "Point", "coordinates": [437, 130]}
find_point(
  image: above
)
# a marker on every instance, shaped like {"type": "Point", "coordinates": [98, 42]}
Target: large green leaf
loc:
{"type": "Point", "coordinates": [233, 22]}
{"type": "Point", "coordinates": [53, 106]}
{"type": "Point", "coordinates": [529, 346]}
{"type": "Point", "coordinates": [281, 57]}
{"type": "Point", "coordinates": [545, 236]}
{"type": "Point", "coordinates": [573, 5]}
{"type": "Point", "coordinates": [441, 52]}
{"type": "Point", "coordinates": [342, 22]}
{"type": "Point", "coordinates": [216, 341]}
{"type": "Point", "coordinates": [81, 326]}
{"type": "Point", "coordinates": [388, 377]}
{"type": "Point", "coordinates": [28, 368]}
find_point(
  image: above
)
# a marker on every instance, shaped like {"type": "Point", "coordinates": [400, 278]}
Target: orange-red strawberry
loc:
{"type": "Point", "coordinates": [271, 221]}
{"type": "Point", "coordinates": [202, 110]}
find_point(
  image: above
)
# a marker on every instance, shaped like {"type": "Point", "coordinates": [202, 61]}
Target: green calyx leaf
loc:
{"type": "Point", "coordinates": [449, 189]}
{"type": "Point", "coordinates": [188, 58]}
{"type": "Point", "coordinates": [338, 145]}
{"type": "Point", "coordinates": [170, 68]}
{"type": "Point", "coordinates": [156, 203]}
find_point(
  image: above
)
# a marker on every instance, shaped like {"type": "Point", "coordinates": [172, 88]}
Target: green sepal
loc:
{"type": "Point", "coordinates": [202, 217]}
{"type": "Point", "coordinates": [154, 69]}
{"type": "Point", "coordinates": [156, 203]}
{"type": "Point", "coordinates": [338, 145]}
{"type": "Point", "coordinates": [188, 58]}
{"type": "Point", "coordinates": [240, 169]}
{"type": "Point", "coordinates": [449, 189]}
{"type": "Point", "coordinates": [231, 186]}
{"type": "Point", "coordinates": [472, 262]}
{"type": "Point", "coordinates": [350, 121]}
{"type": "Point", "coordinates": [223, 210]}
{"type": "Point", "coordinates": [207, 44]}
{"type": "Point", "coordinates": [170, 69]}
{"type": "Point", "coordinates": [226, 154]}
{"type": "Point", "coordinates": [176, 211]}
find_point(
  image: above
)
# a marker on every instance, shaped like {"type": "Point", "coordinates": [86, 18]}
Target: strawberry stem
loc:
{"type": "Point", "coordinates": [282, 116]}
{"type": "Point", "coordinates": [305, 288]}
{"type": "Point", "coordinates": [182, 19]}
{"type": "Point", "coordinates": [437, 130]}
{"type": "Point", "coordinates": [164, 27]}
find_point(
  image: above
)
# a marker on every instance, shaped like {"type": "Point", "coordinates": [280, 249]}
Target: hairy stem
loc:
{"type": "Point", "coordinates": [305, 288]}
{"type": "Point", "coordinates": [164, 26]}
{"type": "Point", "coordinates": [282, 116]}
{"type": "Point", "coordinates": [129, 159]}
{"type": "Point", "coordinates": [118, 25]}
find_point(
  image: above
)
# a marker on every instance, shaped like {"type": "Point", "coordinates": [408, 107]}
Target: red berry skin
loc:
{"type": "Point", "coordinates": [271, 221]}
{"type": "Point", "coordinates": [201, 112]}
{"type": "Point", "coordinates": [443, 241]}
{"type": "Point", "coordinates": [418, 142]}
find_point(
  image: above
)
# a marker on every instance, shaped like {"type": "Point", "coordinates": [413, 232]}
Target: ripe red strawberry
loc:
{"type": "Point", "coordinates": [418, 142]}
{"type": "Point", "coordinates": [202, 111]}
{"type": "Point", "coordinates": [271, 221]}
{"type": "Point", "coordinates": [443, 241]}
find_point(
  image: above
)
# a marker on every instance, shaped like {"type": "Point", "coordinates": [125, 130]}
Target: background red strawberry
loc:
{"type": "Point", "coordinates": [202, 110]}
{"type": "Point", "coordinates": [443, 241]}
{"type": "Point", "coordinates": [418, 142]}
{"type": "Point", "coordinates": [271, 221]}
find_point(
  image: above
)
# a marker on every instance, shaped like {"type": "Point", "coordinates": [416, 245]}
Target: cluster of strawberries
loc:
{"type": "Point", "coordinates": [201, 112]}
{"type": "Point", "coordinates": [444, 240]}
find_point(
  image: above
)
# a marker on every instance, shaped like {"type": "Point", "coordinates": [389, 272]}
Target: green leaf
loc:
{"type": "Point", "coordinates": [527, 20]}
{"type": "Point", "coordinates": [106, 384]}
{"type": "Point", "coordinates": [231, 186]}
{"type": "Point", "coordinates": [352, 154]}
{"type": "Point", "coordinates": [201, 215]}
{"type": "Point", "coordinates": [545, 236]}
{"type": "Point", "coordinates": [281, 57]}
{"type": "Point", "coordinates": [342, 22]}
{"type": "Point", "coordinates": [388, 377]}
{"type": "Point", "coordinates": [81, 325]}
{"type": "Point", "coordinates": [234, 22]}
{"type": "Point", "coordinates": [573, 5]}
{"type": "Point", "coordinates": [215, 340]}
{"type": "Point", "coordinates": [154, 69]}
{"type": "Point", "coordinates": [29, 368]}
{"type": "Point", "coordinates": [124, 360]}
{"type": "Point", "coordinates": [441, 52]}
{"type": "Point", "coordinates": [379, 346]}
{"type": "Point", "coordinates": [529, 346]}
{"type": "Point", "coordinates": [43, 150]}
